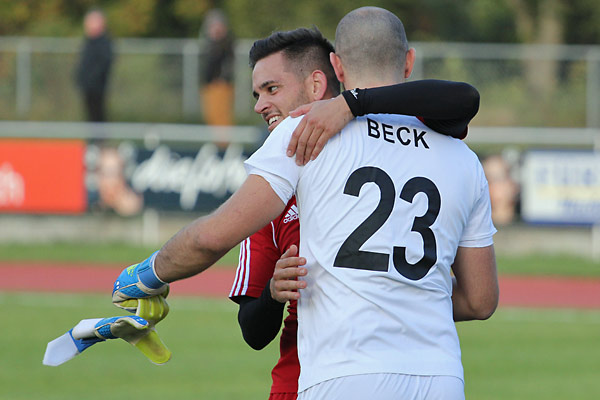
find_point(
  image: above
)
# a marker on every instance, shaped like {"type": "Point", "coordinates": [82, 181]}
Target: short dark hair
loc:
{"type": "Point", "coordinates": [306, 49]}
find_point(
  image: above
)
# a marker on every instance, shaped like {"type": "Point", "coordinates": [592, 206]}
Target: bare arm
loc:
{"type": "Point", "coordinates": [200, 244]}
{"type": "Point", "coordinates": [322, 119]}
{"type": "Point", "coordinates": [475, 286]}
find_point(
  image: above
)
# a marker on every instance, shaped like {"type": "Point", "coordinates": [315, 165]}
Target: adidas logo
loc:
{"type": "Point", "coordinates": [291, 215]}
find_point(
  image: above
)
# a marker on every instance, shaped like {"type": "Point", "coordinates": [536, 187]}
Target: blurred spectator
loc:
{"type": "Point", "coordinates": [94, 65]}
{"type": "Point", "coordinates": [113, 190]}
{"type": "Point", "coordinates": [217, 70]}
{"type": "Point", "coordinates": [503, 189]}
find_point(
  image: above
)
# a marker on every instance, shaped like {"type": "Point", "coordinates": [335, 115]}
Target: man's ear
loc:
{"type": "Point", "coordinates": [318, 82]}
{"type": "Point", "coordinates": [410, 62]}
{"type": "Point", "coordinates": [336, 63]}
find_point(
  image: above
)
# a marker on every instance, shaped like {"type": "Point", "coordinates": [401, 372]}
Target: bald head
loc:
{"type": "Point", "coordinates": [372, 40]}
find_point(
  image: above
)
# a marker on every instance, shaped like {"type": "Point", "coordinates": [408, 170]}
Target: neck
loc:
{"type": "Point", "coordinates": [366, 81]}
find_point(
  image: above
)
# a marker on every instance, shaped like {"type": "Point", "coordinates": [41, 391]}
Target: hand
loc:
{"type": "Point", "coordinates": [133, 329]}
{"type": "Point", "coordinates": [322, 120]}
{"type": "Point", "coordinates": [152, 309]}
{"type": "Point", "coordinates": [128, 328]}
{"type": "Point", "coordinates": [139, 281]}
{"type": "Point", "coordinates": [285, 284]}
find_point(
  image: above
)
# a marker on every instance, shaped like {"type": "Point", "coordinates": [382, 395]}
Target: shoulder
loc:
{"type": "Point", "coordinates": [283, 132]}
{"type": "Point", "coordinates": [275, 145]}
{"type": "Point", "coordinates": [287, 126]}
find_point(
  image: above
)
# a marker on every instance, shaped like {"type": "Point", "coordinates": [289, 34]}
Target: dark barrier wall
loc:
{"type": "Point", "coordinates": [128, 178]}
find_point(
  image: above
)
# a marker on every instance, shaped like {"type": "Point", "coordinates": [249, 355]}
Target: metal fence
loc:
{"type": "Point", "coordinates": [156, 80]}
{"type": "Point", "coordinates": [531, 96]}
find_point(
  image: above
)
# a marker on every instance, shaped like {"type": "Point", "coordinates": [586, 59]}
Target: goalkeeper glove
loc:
{"type": "Point", "coordinates": [133, 329]}
{"type": "Point", "coordinates": [152, 309]}
{"type": "Point", "coordinates": [139, 281]}
{"type": "Point", "coordinates": [138, 332]}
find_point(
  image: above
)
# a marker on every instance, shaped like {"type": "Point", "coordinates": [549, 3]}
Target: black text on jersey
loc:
{"type": "Point", "coordinates": [392, 134]}
{"type": "Point", "coordinates": [350, 254]}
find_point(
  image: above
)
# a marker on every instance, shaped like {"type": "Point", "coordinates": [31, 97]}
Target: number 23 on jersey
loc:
{"type": "Point", "coordinates": [350, 255]}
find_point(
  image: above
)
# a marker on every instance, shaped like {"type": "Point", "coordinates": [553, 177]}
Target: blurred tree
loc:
{"type": "Point", "coordinates": [427, 20]}
{"type": "Point", "coordinates": [256, 19]}
{"type": "Point", "coordinates": [158, 18]}
{"type": "Point", "coordinates": [132, 18]}
{"type": "Point", "coordinates": [528, 21]}
{"type": "Point", "coordinates": [42, 18]}
{"type": "Point", "coordinates": [192, 13]}
{"type": "Point", "coordinates": [489, 21]}
{"type": "Point", "coordinates": [582, 24]}
{"type": "Point", "coordinates": [540, 22]}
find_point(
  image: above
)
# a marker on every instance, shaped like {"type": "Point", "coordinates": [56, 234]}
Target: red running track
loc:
{"type": "Point", "coordinates": [515, 291]}
{"type": "Point", "coordinates": [44, 277]}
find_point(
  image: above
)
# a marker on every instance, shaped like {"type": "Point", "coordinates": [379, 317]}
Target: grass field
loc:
{"type": "Point", "coordinates": [210, 359]}
{"type": "Point", "coordinates": [104, 253]}
{"type": "Point", "coordinates": [517, 354]}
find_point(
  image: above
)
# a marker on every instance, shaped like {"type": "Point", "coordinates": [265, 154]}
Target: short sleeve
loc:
{"type": "Point", "coordinates": [480, 229]}
{"type": "Point", "coordinates": [271, 162]}
{"type": "Point", "coordinates": [258, 255]}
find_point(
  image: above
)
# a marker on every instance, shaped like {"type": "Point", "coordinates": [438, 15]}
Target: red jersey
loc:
{"type": "Point", "coordinates": [258, 255]}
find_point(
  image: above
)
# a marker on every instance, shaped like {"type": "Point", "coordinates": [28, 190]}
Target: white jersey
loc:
{"type": "Point", "coordinates": [382, 210]}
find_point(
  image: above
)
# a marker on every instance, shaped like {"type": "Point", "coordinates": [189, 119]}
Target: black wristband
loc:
{"type": "Point", "coordinates": [351, 97]}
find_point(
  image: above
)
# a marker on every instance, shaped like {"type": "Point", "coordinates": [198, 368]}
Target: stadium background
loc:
{"type": "Point", "coordinates": [535, 63]}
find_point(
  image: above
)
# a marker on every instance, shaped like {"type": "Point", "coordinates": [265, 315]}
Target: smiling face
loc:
{"type": "Point", "coordinates": [277, 89]}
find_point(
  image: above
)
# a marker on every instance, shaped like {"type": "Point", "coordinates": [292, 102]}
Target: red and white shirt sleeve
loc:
{"type": "Point", "coordinates": [259, 253]}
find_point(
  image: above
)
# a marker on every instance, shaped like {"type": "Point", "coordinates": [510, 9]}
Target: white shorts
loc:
{"type": "Point", "coordinates": [387, 387]}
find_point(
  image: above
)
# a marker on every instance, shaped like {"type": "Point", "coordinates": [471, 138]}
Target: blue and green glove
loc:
{"type": "Point", "coordinates": [138, 281]}
{"type": "Point", "coordinates": [137, 330]}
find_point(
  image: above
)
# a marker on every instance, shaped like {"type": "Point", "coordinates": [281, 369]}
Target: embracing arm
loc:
{"type": "Point", "coordinates": [444, 106]}
{"type": "Point", "coordinates": [475, 284]}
